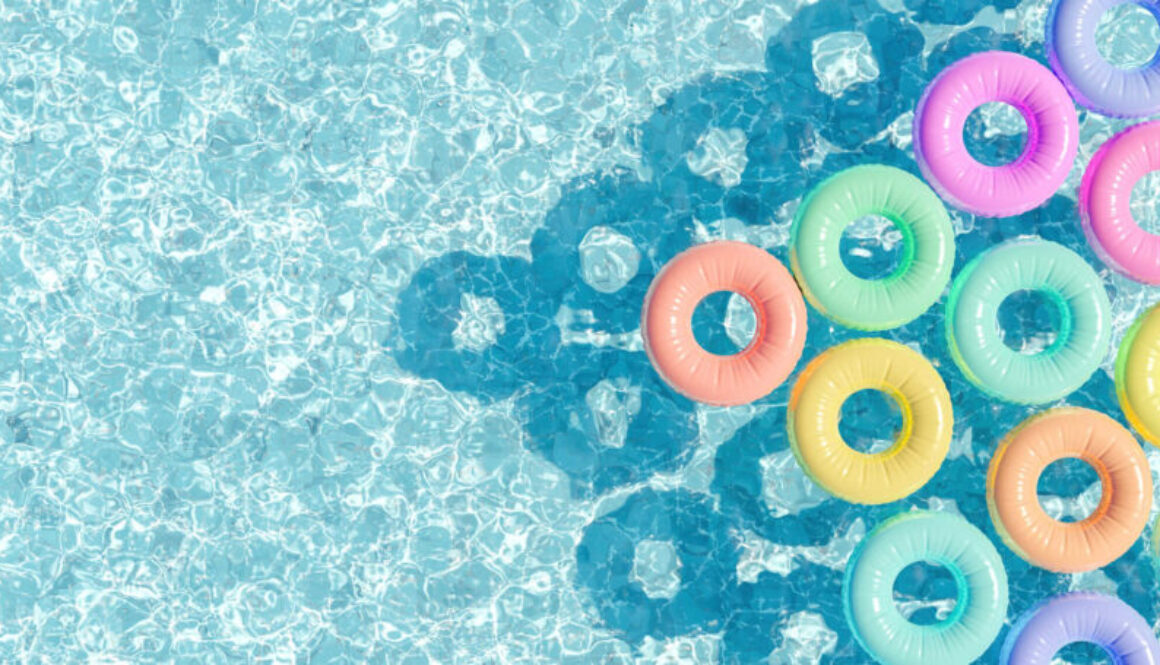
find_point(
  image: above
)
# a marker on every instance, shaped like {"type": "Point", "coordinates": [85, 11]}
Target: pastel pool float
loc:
{"type": "Point", "coordinates": [927, 254]}
{"type": "Point", "coordinates": [1052, 134]}
{"type": "Point", "coordinates": [1105, 198]}
{"type": "Point", "coordinates": [1066, 280]}
{"type": "Point", "coordinates": [946, 539]}
{"type": "Point", "coordinates": [815, 408]}
{"type": "Point", "coordinates": [1116, 523]}
{"type": "Point", "coordinates": [1094, 82]}
{"type": "Point", "coordinates": [1138, 375]}
{"type": "Point", "coordinates": [667, 328]}
{"type": "Point", "coordinates": [1080, 617]}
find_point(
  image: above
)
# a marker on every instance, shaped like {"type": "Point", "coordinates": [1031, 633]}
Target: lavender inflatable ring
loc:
{"type": "Point", "coordinates": [1081, 617]}
{"type": "Point", "coordinates": [1125, 92]}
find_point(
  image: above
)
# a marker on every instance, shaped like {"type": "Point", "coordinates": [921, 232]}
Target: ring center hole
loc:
{"type": "Point", "coordinates": [995, 134]}
{"type": "Point", "coordinates": [724, 323]}
{"type": "Point", "coordinates": [926, 593]}
{"type": "Point", "coordinates": [1030, 321]}
{"type": "Point", "coordinates": [1128, 36]}
{"type": "Point", "coordinates": [1069, 490]}
{"type": "Point", "coordinates": [870, 421]}
{"type": "Point", "coordinates": [1082, 653]}
{"type": "Point", "coordinates": [872, 247]}
{"type": "Point", "coordinates": [1145, 202]}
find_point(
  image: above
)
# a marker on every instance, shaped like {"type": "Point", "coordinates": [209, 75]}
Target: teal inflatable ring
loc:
{"type": "Point", "coordinates": [943, 538]}
{"type": "Point", "coordinates": [927, 255]}
{"type": "Point", "coordinates": [976, 342]}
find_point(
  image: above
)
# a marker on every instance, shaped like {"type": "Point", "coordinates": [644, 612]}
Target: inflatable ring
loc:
{"type": "Point", "coordinates": [1104, 197]}
{"type": "Point", "coordinates": [946, 539]}
{"type": "Point", "coordinates": [1125, 478]}
{"type": "Point", "coordinates": [815, 406]}
{"type": "Point", "coordinates": [973, 309]}
{"type": "Point", "coordinates": [1137, 366]}
{"type": "Point", "coordinates": [1125, 92]}
{"type": "Point", "coordinates": [1052, 134]}
{"type": "Point", "coordinates": [927, 256]}
{"type": "Point", "coordinates": [1080, 617]}
{"type": "Point", "coordinates": [666, 323]}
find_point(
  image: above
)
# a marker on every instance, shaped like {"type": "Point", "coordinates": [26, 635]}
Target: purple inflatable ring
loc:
{"type": "Point", "coordinates": [1081, 617]}
{"type": "Point", "coordinates": [1122, 92]}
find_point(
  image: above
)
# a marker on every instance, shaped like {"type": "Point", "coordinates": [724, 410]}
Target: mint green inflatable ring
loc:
{"type": "Point", "coordinates": [976, 342]}
{"type": "Point", "coordinates": [927, 255]}
{"type": "Point", "coordinates": [943, 538]}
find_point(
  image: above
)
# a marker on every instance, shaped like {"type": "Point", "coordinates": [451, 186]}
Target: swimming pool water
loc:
{"type": "Point", "coordinates": [320, 339]}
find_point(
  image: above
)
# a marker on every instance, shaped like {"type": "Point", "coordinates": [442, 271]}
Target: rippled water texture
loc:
{"type": "Point", "coordinates": [319, 326]}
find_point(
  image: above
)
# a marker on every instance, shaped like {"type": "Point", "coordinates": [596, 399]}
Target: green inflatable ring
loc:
{"type": "Point", "coordinates": [976, 343]}
{"type": "Point", "coordinates": [957, 545]}
{"type": "Point", "coordinates": [927, 256]}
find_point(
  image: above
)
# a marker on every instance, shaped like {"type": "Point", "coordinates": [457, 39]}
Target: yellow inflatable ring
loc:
{"type": "Point", "coordinates": [1137, 374]}
{"type": "Point", "coordinates": [815, 407]}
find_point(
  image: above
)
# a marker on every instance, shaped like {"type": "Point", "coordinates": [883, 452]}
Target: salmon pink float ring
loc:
{"type": "Point", "coordinates": [1104, 197]}
{"type": "Point", "coordinates": [1118, 520]}
{"type": "Point", "coordinates": [1052, 134]}
{"type": "Point", "coordinates": [667, 323]}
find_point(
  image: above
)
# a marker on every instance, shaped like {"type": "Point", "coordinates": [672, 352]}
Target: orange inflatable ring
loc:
{"type": "Point", "coordinates": [1124, 475]}
{"type": "Point", "coordinates": [667, 323]}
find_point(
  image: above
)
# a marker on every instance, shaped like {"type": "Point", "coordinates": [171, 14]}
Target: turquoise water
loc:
{"type": "Point", "coordinates": [319, 336]}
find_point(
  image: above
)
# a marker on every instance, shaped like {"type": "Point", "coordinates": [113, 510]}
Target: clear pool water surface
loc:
{"type": "Point", "coordinates": [319, 329]}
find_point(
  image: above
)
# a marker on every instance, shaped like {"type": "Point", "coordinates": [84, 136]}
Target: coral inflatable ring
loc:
{"type": "Point", "coordinates": [666, 323]}
{"type": "Point", "coordinates": [1069, 547]}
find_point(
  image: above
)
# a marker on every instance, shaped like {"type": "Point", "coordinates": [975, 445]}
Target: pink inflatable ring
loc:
{"type": "Point", "coordinates": [1104, 197]}
{"type": "Point", "coordinates": [1052, 134]}
{"type": "Point", "coordinates": [667, 328]}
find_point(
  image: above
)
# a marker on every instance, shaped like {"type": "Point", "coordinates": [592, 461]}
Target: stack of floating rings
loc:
{"type": "Point", "coordinates": [976, 346]}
